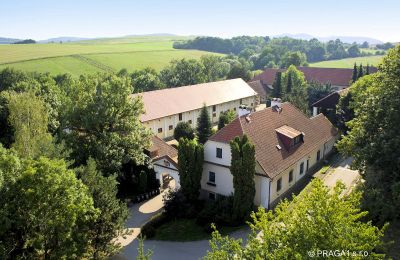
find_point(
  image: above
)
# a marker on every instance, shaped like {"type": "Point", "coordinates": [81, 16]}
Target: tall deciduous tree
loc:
{"type": "Point", "coordinates": [102, 121]}
{"type": "Point", "coordinates": [190, 166]}
{"type": "Point", "coordinates": [373, 137]}
{"type": "Point", "coordinates": [45, 213]}
{"type": "Point", "coordinates": [318, 220]}
{"type": "Point", "coordinates": [183, 73]}
{"type": "Point", "coordinates": [243, 167]}
{"type": "Point", "coordinates": [146, 79]}
{"type": "Point", "coordinates": [28, 117]}
{"type": "Point", "coordinates": [298, 95]}
{"type": "Point", "coordinates": [113, 213]}
{"type": "Point", "coordinates": [204, 126]}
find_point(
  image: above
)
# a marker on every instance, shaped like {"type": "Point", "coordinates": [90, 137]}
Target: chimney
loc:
{"type": "Point", "coordinates": [276, 102]}
{"type": "Point", "coordinates": [244, 110]}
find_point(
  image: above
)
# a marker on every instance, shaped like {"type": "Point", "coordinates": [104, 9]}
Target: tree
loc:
{"type": "Point", "coordinates": [239, 70]}
{"type": "Point", "coordinates": [243, 167]}
{"type": "Point", "coordinates": [214, 67]}
{"type": "Point", "coordinates": [204, 126]}
{"type": "Point", "coordinates": [316, 91]}
{"type": "Point", "coordinates": [295, 58]}
{"type": "Point", "coordinates": [354, 51]}
{"type": "Point", "coordinates": [373, 138]}
{"type": "Point", "coordinates": [360, 72]}
{"type": "Point", "coordinates": [277, 85]}
{"type": "Point", "coordinates": [45, 213]}
{"type": "Point", "coordinates": [183, 130]}
{"type": "Point", "coordinates": [101, 120]}
{"type": "Point", "coordinates": [289, 83]}
{"type": "Point", "coordinates": [141, 254]}
{"type": "Point", "coordinates": [355, 73]}
{"type": "Point", "coordinates": [225, 118]}
{"type": "Point", "coordinates": [146, 79]}
{"type": "Point", "coordinates": [344, 111]}
{"type": "Point", "coordinates": [365, 45]}
{"type": "Point", "coordinates": [320, 219]}
{"type": "Point", "coordinates": [28, 117]}
{"type": "Point", "coordinates": [113, 213]}
{"type": "Point", "coordinates": [183, 72]}
{"type": "Point", "coordinates": [367, 69]}
{"type": "Point", "coordinates": [190, 166]}
{"type": "Point", "coordinates": [298, 95]}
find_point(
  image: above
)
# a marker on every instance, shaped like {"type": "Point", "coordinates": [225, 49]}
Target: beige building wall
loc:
{"type": "Point", "coordinates": [164, 127]}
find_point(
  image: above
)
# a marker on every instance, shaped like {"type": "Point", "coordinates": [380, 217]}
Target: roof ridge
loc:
{"type": "Point", "coordinates": [180, 87]}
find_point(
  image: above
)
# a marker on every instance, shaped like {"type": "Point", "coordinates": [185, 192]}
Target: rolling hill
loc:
{"type": "Point", "coordinates": [97, 55]}
{"type": "Point", "coordinates": [349, 62]}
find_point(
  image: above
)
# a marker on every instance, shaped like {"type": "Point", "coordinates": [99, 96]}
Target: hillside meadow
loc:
{"type": "Point", "coordinates": [91, 56]}
{"type": "Point", "coordinates": [349, 62]}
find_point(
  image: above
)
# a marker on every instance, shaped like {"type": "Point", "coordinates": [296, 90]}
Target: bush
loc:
{"type": "Point", "coordinates": [219, 212]}
{"type": "Point", "coordinates": [149, 229]}
{"type": "Point", "coordinates": [183, 130]}
{"type": "Point", "coordinates": [177, 206]}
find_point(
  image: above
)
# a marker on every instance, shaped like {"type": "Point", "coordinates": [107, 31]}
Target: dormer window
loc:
{"type": "Point", "coordinates": [289, 136]}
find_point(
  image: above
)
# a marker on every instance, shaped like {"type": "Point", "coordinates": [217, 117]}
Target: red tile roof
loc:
{"type": "Point", "coordinates": [261, 129]}
{"type": "Point", "coordinates": [335, 76]}
{"type": "Point", "coordinates": [171, 101]}
{"type": "Point", "coordinates": [331, 100]}
{"type": "Point", "coordinates": [260, 88]}
{"type": "Point", "coordinates": [161, 149]}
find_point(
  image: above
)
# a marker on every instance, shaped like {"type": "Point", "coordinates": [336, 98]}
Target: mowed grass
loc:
{"type": "Point", "coordinates": [92, 56]}
{"type": "Point", "coordinates": [349, 62]}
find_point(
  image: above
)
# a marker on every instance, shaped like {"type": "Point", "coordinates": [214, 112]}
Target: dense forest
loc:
{"type": "Point", "coordinates": [264, 52]}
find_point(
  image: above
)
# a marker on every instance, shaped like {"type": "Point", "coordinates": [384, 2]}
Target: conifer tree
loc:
{"type": "Point", "coordinates": [277, 85]}
{"type": "Point", "coordinates": [367, 69]}
{"type": "Point", "coordinates": [289, 83]}
{"type": "Point", "coordinates": [190, 166]}
{"type": "Point", "coordinates": [360, 72]}
{"type": "Point", "coordinates": [243, 170]}
{"type": "Point", "coordinates": [204, 127]}
{"type": "Point", "coordinates": [355, 73]}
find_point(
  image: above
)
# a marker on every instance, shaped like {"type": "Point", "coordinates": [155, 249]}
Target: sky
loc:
{"type": "Point", "coordinates": [42, 19]}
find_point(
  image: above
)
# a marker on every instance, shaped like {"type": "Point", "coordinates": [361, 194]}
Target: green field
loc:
{"type": "Point", "coordinates": [91, 56]}
{"type": "Point", "coordinates": [349, 62]}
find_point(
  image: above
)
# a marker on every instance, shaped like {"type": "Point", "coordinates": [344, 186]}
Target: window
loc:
{"type": "Point", "coordinates": [297, 139]}
{"type": "Point", "coordinates": [214, 114]}
{"type": "Point", "coordinates": [301, 168]}
{"type": "Point", "coordinates": [180, 116]}
{"type": "Point", "coordinates": [214, 108]}
{"type": "Point", "coordinates": [279, 184]}
{"type": "Point", "coordinates": [159, 130]}
{"type": "Point", "coordinates": [219, 152]}
{"type": "Point", "coordinates": [318, 155]}
{"type": "Point", "coordinates": [251, 104]}
{"type": "Point", "coordinates": [211, 177]}
{"type": "Point", "coordinates": [211, 196]}
{"type": "Point", "coordinates": [234, 109]}
{"type": "Point", "coordinates": [170, 127]}
{"type": "Point", "coordinates": [291, 176]}
{"type": "Point", "coordinates": [241, 101]}
{"type": "Point", "coordinates": [308, 162]}
{"type": "Point", "coordinates": [190, 121]}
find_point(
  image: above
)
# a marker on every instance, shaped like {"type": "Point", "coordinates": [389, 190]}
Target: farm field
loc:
{"type": "Point", "coordinates": [91, 56]}
{"type": "Point", "coordinates": [348, 62]}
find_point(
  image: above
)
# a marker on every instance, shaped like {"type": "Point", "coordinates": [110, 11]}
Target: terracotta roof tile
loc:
{"type": "Point", "coordinates": [261, 129]}
{"type": "Point", "coordinates": [160, 149]}
{"type": "Point", "coordinates": [171, 101]}
{"type": "Point", "coordinates": [260, 88]}
{"type": "Point", "coordinates": [335, 76]}
{"type": "Point", "coordinates": [331, 100]}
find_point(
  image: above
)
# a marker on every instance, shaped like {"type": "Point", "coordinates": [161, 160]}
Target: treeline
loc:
{"type": "Point", "coordinates": [263, 52]}
{"type": "Point", "coordinates": [189, 72]}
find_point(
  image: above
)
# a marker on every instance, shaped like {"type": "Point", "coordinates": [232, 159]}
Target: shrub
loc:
{"type": "Point", "coordinates": [219, 212]}
{"type": "Point", "coordinates": [183, 129]}
{"type": "Point", "coordinates": [177, 206]}
{"type": "Point", "coordinates": [149, 229]}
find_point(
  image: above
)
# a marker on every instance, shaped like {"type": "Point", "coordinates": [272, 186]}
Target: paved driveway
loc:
{"type": "Point", "coordinates": [342, 172]}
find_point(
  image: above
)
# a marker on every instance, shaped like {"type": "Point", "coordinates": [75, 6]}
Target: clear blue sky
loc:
{"type": "Point", "coordinates": [41, 19]}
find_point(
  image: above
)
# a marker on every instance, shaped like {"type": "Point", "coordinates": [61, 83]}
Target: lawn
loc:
{"type": "Point", "coordinates": [91, 56]}
{"type": "Point", "coordinates": [349, 62]}
{"type": "Point", "coordinates": [187, 230]}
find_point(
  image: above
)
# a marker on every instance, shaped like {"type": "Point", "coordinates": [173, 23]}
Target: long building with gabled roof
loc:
{"type": "Point", "coordinates": [165, 108]}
